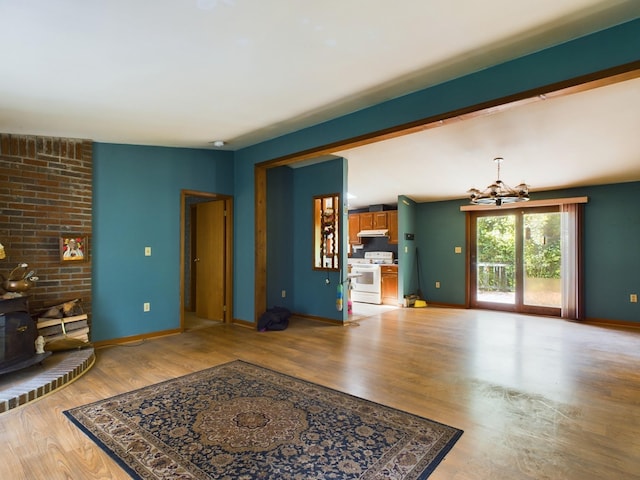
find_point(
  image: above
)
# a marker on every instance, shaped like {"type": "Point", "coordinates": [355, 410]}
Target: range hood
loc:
{"type": "Point", "coordinates": [373, 233]}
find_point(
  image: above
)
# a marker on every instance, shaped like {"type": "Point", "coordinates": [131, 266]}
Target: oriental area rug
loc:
{"type": "Point", "coordinates": [239, 421]}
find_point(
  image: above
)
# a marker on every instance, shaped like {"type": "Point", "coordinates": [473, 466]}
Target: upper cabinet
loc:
{"type": "Point", "coordinates": [392, 225]}
{"type": "Point", "coordinates": [366, 220]}
{"type": "Point", "coordinates": [380, 220]}
{"type": "Point", "coordinates": [373, 220]}
{"type": "Point", "coordinates": [354, 228]}
{"type": "Point", "coordinates": [387, 219]}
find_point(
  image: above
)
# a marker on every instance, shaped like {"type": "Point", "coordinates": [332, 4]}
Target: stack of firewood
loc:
{"type": "Point", "coordinates": [64, 325]}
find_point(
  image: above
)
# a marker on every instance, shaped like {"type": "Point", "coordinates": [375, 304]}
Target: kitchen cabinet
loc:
{"type": "Point", "coordinates": [387, 219]}
{"type": "Point", "coordinates": [380, 220]}
{"type": "Point", "coordinates": [373, 220]}
{"type": "Point", "coordinates": [389, 280]}
{"type": "Point", "coordinates": [354, 228]}
{"type": "Point", "coordinates": [366, 221]}
{"type": "Point", "coordinates": [392, 225]}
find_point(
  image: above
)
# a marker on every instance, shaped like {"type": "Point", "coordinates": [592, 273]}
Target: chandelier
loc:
{"type": "Point", "coordinates": [499, 192]}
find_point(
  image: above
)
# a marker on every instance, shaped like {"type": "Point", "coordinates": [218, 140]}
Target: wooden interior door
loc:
{"type": "Point", "coordinates": [209, 260]}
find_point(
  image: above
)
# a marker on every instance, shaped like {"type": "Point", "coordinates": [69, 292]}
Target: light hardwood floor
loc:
{"type": "Point", "coordinates": [538, 398]}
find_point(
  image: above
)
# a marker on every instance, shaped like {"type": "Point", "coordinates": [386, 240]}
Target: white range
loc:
{"type": "Point", "coordinates": [366, 280]}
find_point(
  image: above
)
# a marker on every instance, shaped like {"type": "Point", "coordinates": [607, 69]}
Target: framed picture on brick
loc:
{"type": "Point", "coordinates": [74, 248]}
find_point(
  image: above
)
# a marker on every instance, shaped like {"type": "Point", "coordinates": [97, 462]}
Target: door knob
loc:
{"type": "Point", "coordinates": [196, 259]}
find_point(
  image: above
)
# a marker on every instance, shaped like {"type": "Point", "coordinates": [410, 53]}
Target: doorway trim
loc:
{"type": "Point", "coordinates": [228, 273]}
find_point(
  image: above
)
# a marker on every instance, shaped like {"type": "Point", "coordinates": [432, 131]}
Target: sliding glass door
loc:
{"type": "Point", "coordinates": [542, 260]}
{"type": "Point", "coordinates": [496, 259]}
{"type": "Point", "coordinates": [516, 259]}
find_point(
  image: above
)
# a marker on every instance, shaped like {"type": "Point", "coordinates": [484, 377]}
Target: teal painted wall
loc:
{"type": "Point", "coordinates": [289, 238]}
{"type": "Point", "coordinates": [280, 237]}
{"type": "Point", "coordinates": [440, 228]}
{"type": "Point", "coordinates": [136, 204]}
{"type": "Point", "coordinates": [611, 253]}
{"type": "Point", "coordinates": [313, 296]}
{"type": "Point", "coordinates": [245, 240]}
{"type": "Point", "coordinates": [609, 48]}
{"type": "Point", "coordinates": [407, 271]}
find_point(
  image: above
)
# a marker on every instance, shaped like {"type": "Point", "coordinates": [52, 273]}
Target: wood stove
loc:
{"type": "Point", "coordinates": [18, 333]}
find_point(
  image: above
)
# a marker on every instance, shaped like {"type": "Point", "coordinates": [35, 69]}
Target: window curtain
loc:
{"type": "Point", "coordinates": [571, 268]}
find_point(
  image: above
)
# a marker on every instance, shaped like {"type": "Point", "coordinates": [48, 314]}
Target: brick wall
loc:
{"type": "Point", "coordinates": [46, 193]}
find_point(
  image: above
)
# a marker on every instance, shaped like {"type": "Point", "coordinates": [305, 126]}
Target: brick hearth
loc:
{"type": "Point", "coordinates": [56, 371]}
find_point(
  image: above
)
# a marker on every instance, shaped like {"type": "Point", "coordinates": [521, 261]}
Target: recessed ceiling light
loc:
{"type": "Point", "coordinates": [218, 143]}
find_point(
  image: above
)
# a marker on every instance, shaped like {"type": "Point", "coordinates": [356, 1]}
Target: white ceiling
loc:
{"type": "Point", "coordinates": [186, 72]}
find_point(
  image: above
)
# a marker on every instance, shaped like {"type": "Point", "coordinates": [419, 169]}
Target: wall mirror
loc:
{"type": "Point", "coordinates": [326, 232]}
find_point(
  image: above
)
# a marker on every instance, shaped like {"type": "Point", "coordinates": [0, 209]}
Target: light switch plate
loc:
{"type": "Point", "coordinates": [147, 251]}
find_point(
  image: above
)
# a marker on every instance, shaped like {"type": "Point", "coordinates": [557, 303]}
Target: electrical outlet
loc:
{"type": "Point", "coordinates": [633, 298]}
{"type": "Point", "coordinates": [146, 306]}
{"type": "Point", "coordinates": [284, 293]}
{"type": "Point", "coordinates": [437, 284]}
{"type": "Point", "coordinates": [457, 249]}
